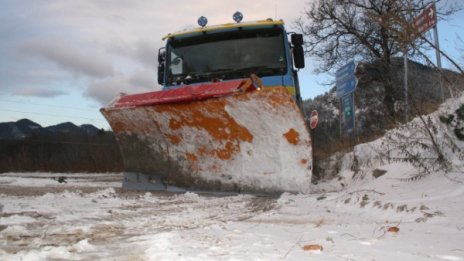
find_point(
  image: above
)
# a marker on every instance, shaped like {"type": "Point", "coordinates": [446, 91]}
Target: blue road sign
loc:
{"type": "Point", "coordinates": [347, 86]}
{"type": "Point", "coordinates": [346, 70]}
{"type": "Point", "coordinates": [348, 113]}
{"type": "Point", "coordinates": [346, 81]}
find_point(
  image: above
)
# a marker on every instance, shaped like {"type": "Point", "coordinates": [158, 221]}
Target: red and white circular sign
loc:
{"type": "Point", "coordinates": [313, 119]}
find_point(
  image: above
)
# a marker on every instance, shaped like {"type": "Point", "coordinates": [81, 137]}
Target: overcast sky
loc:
{"type": "Point", "coordinates": [61, 60]}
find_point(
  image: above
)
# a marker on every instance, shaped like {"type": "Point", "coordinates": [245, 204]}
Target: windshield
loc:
{"type": "Point", "coordinates": [226, 56]}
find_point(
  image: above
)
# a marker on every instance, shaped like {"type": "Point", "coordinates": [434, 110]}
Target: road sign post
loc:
{"type": "Point", "coordinates": [349, 114]}
{"type": "Point", "coordinates": [437, 53]}
{"type": "Point", "coordinates": [406, 102]}
{"type": "Point", "coordinates": [346, 83]}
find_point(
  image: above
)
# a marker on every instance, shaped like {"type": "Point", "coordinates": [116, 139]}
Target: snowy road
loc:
{"type": "Point", "coordinates": [90, 218]}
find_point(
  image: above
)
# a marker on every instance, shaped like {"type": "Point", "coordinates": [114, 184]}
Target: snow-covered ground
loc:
{"type": "Point", "coordinates": [90, 218]}
{"type": "Point", "coordinates": [376, 213]}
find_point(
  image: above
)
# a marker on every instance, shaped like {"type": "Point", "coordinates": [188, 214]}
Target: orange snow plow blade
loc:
{"type": "Point", "coordinates": [220, 136]}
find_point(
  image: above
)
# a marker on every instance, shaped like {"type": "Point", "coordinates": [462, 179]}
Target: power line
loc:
{"type": "Point", "coordinates": [48, 105]}
{"type": "Point", "coordinates": [52, 115]}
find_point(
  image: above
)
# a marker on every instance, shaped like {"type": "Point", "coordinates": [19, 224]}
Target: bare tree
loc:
{"type": "Point", "coordinates": [369, 30]}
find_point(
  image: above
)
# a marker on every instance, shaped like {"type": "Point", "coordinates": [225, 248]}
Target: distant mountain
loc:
{"type": "Point", "coordinates": [25, 128]}
{"type": "Point", "coordinates": [65, 128]}
{"type": "Point", "coordinates": [90, 129]}
{"type": "Point", "coordinates": [26, 146]}
{"type": "Point", "coordinates": [17, 130]}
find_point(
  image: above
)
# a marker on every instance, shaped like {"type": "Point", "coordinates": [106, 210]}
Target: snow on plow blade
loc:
{"type": "Point", "coordinates": [226, 136]}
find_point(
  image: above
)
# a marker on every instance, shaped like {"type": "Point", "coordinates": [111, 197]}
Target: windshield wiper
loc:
{"type": "Point", "coordinates": [228, 73]}
{"type": "Point", "coordinates": [258, 69]}
{"type": "Point", "coordinates": [209, 75]}
{"type": "Point", "coordinates": [244, 72]}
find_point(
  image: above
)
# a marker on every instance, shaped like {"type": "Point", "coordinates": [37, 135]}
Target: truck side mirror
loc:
{"type": "Point", "coordinates": [161, 65]}
{"type": "Point", "coordinates": [298, 52]}
{"type": "Point", "coordinates": [161, 73]}
{"type": "Point", "coordinates": [297, 39]}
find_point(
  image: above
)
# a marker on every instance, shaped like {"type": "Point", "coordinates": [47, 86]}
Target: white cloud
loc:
{"type": "Point", "coordinates": [111, 45]}
{"type": "Point", "coordinates": [146, 53]}
{"type": "Point", "coordinates": [77, 61]}
{"type": "Point", "coordinates": [144, 79]}
{"type": "Point", "coordinates": [38, 92]}
{"type": "Point", "coordinates": [106, 90]}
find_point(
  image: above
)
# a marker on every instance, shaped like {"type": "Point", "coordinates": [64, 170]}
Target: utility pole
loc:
{"type": "Point", "coordinates": [406, 102]}
{"type": "Point", "coordinates": [437, 51]}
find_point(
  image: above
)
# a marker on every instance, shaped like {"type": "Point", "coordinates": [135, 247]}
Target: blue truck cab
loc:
{"type": "Point", "coordinates": [232, 51]}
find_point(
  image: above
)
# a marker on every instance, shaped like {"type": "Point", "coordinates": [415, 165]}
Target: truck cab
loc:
{"type": "Point", "coordinates": [232, 51]}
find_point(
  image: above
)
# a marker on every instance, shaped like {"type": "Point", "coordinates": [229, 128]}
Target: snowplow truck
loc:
{"type": "Point", "coordinates": [227, 117]}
